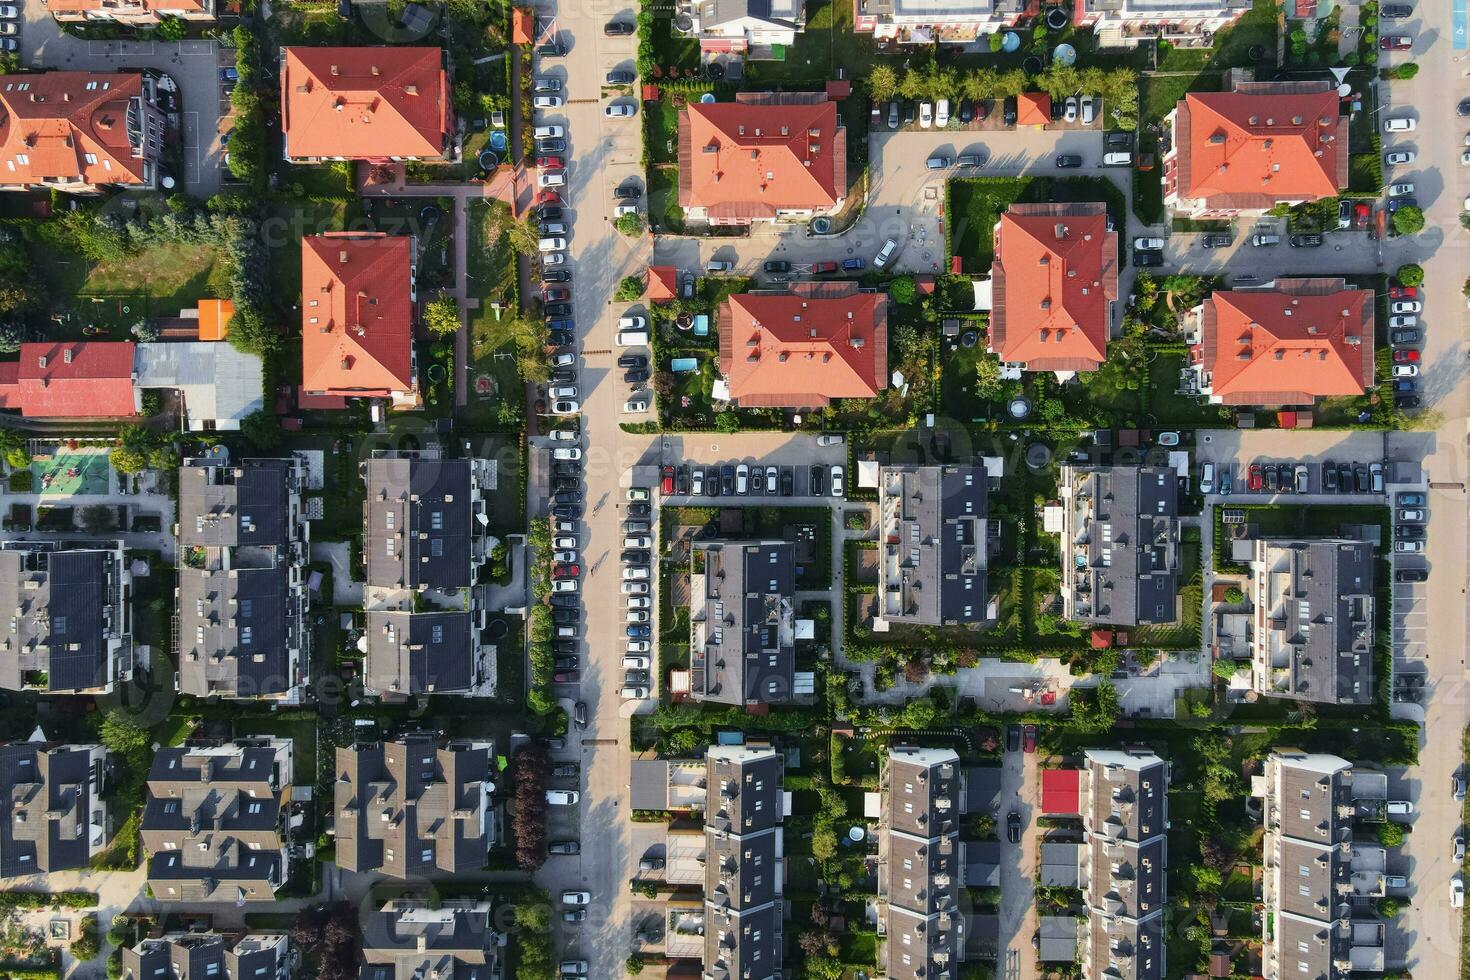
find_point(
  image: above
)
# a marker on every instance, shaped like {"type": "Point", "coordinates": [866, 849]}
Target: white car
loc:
{"type": "Point", "coordinates": [836, 481]}
{"type": "Point", "coordinates": [618, 110]}
{"type": "Point", "coordinates": [549, 132]}
{"type": "Point", "coordinates": [1403, 321]}
{"type": "Point", "coordinates": [1070, 114]}
{"type": "Point", "coordinates": [634, 322]}
{"type": "Point", "coordinates": [637, 541]}
{"type": "Point", "coordinates": [1406, 370]}
{"type": "Point", "coordinates": [553, 258]}
{"type": "Point", "coordinates": [1457, 892]}
{"type": "Point", "coordinates": [565, 585]}
{"type": "Point", "coordinates": [633, 405]}
{"type": "Point", "coordinates": [1400, 190]}
{"type": "Point", "coordinates": [566, 407]}
{"type": "Point", "coordinates": [552, 244]}
{"type": "Point", "coordinates": [547, 85]}
{"type": "Point", "coordinates": [1400, 808]}
{"type": "Point", "coordinates": [1400, 125]}
{"type": "Point", "coordinates": [552, 178]}
{"type": "Point", "coordinates": [635, 588]}
{"type": "Point", "coordinates": [1395, 158]}
{"type": "Point", "coordinates": [566, 452]}
{"type": "Point", "coordinates": [941, 113]}
{"type": "Point", "coordinates": [830, 439]}
{"type": "Point", "coordinates": [564, 359]}
{"type": "Point", "coordinates": [634, 693]}
{"type": "Point", "coordinates": [635, 663]}
{"type": "Point", "coordinates": [547, 102]}
{"type": "Point", "coordinates": [1148, 244]}
{"type": "Point", "coordinates": [639, 494]}
{"type": "Point", "coordinates": [9, 12]}
{"type": "Point", "coordinates": [1087, 110]}
{"type": "Point", "coordinates": [639, 602]}
{"type": "Point", "coordinates": [563, 391]}
{"type": "Point", "coordinates": [1407, 548]}
{"type": "Point", "coordinates": [637, 616]}
{"type": "Point", "coordinates": [926, 114]}
{"type": "Point", "coordinates": [1465, 158]}
{"type": "Point", "coordinates": [634, 572]}
{"type": "Point", "coordinates": [1406, 306]}
{"type": "Point", "coordinates": [623, 210]}
{"type": "Point", "coordinates": [564, 435]}
{"type": "Point", "coordinates": [565, 557]}
{"type": "Point", "coordinates": [885, 254]}
{"type": "Point", "coordinates": [570, 897]}
{"type": "Point", "coordinates": [639, 646]}
{"type": "Point", "coordinates": [742, 479]}
{"type": "Point", "coordinates": [565, 797]}
{"type": "Point", "coordinates": [564, 542]}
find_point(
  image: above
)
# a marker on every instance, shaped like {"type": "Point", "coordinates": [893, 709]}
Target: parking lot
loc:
{"type": "Point", "coordinates": [794, 458]}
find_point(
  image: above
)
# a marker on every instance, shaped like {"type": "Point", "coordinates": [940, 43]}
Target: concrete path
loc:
{"type": "Point", "coordinates": [345, 592]}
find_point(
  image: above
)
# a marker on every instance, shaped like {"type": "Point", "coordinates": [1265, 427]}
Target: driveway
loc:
{"type": "Point", "coordinates": [193, 64]}
{"type": "Point", "coordinates": [1341, 253]}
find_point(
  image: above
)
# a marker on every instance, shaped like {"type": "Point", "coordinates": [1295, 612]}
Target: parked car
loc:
{"type": "Point", "coordinates": [546, 102]}
{"type": "Point", "coordinates": [1069, 111]}
{"type": "Point", "coordinates": [566, 797]}
{"type": "Point", "coordinates": [1304, 241]}
{"type": "Point", "coordinates": [618, 28]}
{"type": "Point", "coordinates": [776, 265]}
{"type": "Point", "coordinates": [926, 114]}
{"type": "Point", "coordinates": [1146, 244]}
{"type": "Point", "coordinates": [1410, 498]}
{"type": "Point", "coordinates": [620, 76]}
{"type": "Point", "coordinates": [1403, 337]}
{"type": "Point", "coordinates": [1395, 11]}
{"type": "Point", "coordinates": [1395, 158]}
{"type": "Point", "coordinates": [1265, 240]}
{"type": "Point", "coordinates": [1402, 189]}
{"type": "Point", "coordinates": [885, 254]}
{"type": "Point", "coordinates": [1216, 241]}
{"type": "Point", "coordinates": [837, 488]}
{"type": "Point", "coordinates": [1411, 575]}
{"type": "Point", "coordinates": [1403, 321]}
{"type": "Point", "coordinates": [941, 113]}
{"type": "Point", "coordinates": [1396, 42]}
{"type": "Point", "coordinates": [1457, 892]}
{"type": "Point", "coordinates": [1401, 124]}
{"type": "Point", "coordinates": [547, 85]}
{"type": "Point", "coordinates": [618, 110]}
{"type": "Point", "coordinates": [1145, 260]}
{"type": "Point", "coordinates": [564, 847]}
{"type": "Point", "coordinates": [938, 163]}
{"type": "Point", "coordinates": [1013, 827]}
{"type": "Point", "coordinates": [1406, 306]}
{"type": "Point", "coordinates": [1068, 161]}
{"type": "Point", "coordinates": [1088, 110]}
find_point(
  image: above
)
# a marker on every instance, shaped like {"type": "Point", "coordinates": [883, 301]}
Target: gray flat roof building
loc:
{"type": "Point", "coordinates": [932, 544]}
{"type": "Point", "coordinates": [413, 807]}
{"type": "Point", "coordinates": [52, 814]}
{"type": "Point", "coordinates": [1120, 544]}
{"type": "Point", "coordinates": [1122, 864]}
{"type": "Point", "coordinates": [920, 866]}
{"type": "Point", "coordinates": [408, 940]}
{"type": "Point", "coordinates": [1312, 630]}
{"type": "Point", "coordinates": [214, 822]}
{"type": "Point", "coordinates": [69, 615]}
{"type": "Point", "coordinates": [742, 598]}
{"type": "Point", "coordinates": [743, 863]}
{"type": "Point", "coordinates": [242, 600]}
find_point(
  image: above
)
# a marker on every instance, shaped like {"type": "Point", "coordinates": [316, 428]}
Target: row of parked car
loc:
{"type": "Point", "coordinates": [637, 587]}
{"type": "Point", "coordinates": [745, 479]}
{"type": "Point", "coordinates": [938, 115]}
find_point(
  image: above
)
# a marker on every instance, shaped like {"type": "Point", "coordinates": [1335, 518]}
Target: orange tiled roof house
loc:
{"type": "Point", "coordinates": [1054, 283]}
{"type": "Point", "coordinates": [357, 317]}
{"type": "Point", "coordinates": [370, 103]}
{"type": "Point", "coordinates": [1303, 340]}
{"type": "Point", "coordinates": [134, 13]}
{"type": "Point", "coordinates": [764, 157]}
{"type": "Point", "coordinates": [79, 131]}
{"type": "Point", "coordinates": [803, 348]}
{"type": "Point", "coordinates": [1261, 144]}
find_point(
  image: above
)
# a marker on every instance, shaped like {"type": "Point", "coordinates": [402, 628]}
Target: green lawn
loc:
{"type": "Point", "coordinates": [829, 42]}
{"type": "Point", "coordinates": [300, 728]}
{"type": "Point", "coordinates": [496, 395]}
{"type": "Point", "coordinates": [334, 180]}
{"type": "Point", "coordinates": [661, 131]}
{"type": "Point", "coordinates": [288, 221]}
{"type": "Point", "coordinates": [1165, 408]}
{"type": "Point", "coordinates": [664, 211]}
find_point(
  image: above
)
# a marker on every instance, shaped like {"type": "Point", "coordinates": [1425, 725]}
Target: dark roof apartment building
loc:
{"type": "Point", "coordinates": [68, 610]}
{"type": "Point", "coordinates": [242, 599]}
{"type": "Point", "coordinates": [1122, 864]}
{"type": "Point", "coordinates": [743, 907]}
{"type": "Point", "coordinates": [414, 807]}
{"type": "Point", "coordinates": [408, 940]}
{"type": "Point", "coordinates": [932, 556]}
{"type": "Point", "coordinates": [214, 823]}
{"type": "Point", "coordinates": [920, 864]}
{"type": "Point", "coordinates": [1312, 638]}
{"type": "Point", "coordinates": [742, 598]}
{"type": "Point", "coordinates": [1120, 544]}
{"type": "Point", "coordinates": [209, 956]}
{"type": "Point", "coordinates": [52, 814]}
{"type": "Point", "coordinates": [423, 539]}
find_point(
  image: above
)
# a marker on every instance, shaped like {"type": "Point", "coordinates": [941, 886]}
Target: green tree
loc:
{"type": "Point", "coordinates": [1095, 709]}
{"type": "Point", "coordinates": [911, 86]}
{"type": "Point", "coordinates": [522, 237]}
{"type": "Point", "coordinates": [1388, 908]}
{"type": "Point", "coordinates": [1223, 669]}
{"type": "Point", "coordinates": [987, 376]}
{"type": "Point", "coordinates": [261, 429]}
{"type": "Point", "coordinates": [1391, 835]}
{"type": "Point", "coordinates": [441, 316]}
{"type": "Point", "coordinates": [13, 449]}
{"type": "Point", "coordinates": [1409, 275]}
{"type": "Point", "coordinates": [882, 82]}
{"type": "Point", "coordinates": [727, 422]}
{"type": "Point", "coordinates": [1408, 221]}
{"type": "Point", "coordinates": [633, 965]}
{"type": "Point", "coordinates": [629, 289]}
{"type": "Point", "coordinates": [996, 41]}
{"type": "Point", "coordinates": [122, 734]}
{"type": "Point", "coordinates": [824, 843]}
{"type": "Point", "coordinates": [171, 29]}
{"type": "Point", "coordinates": [1234, 594]}
{"type": "Point", "coordinates": [630, 225]}
{"type": "Point", "coordinates": [902, 290]}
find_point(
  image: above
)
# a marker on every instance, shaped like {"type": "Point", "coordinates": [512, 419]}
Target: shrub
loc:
{"type": "Point", "coordinates": [1234, 594]}
{"type": "Point", "coordinates": [902, 290]}
{"type": "Point", "coordinates": [1408, 221]}
{"type": "Point", "coordinates": [441, 316]}
{"type": "Point", "coordinates": [1405, 71]}
{"type": "Point", "coordinates": [629, 289]}
{"type": "Point", "coordinates": [1391, 835]}
{"type": "Point", "coordinates": [1410, 275]}
{"type": "Point", "coordinates": [630, 225]}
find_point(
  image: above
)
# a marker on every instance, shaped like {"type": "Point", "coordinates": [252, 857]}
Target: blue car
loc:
{"type": "Point", "coordinates": [854, 263]}
{"type": "Point", "coordinates": [566, 325]}
{"type": "Point", "coordinates": [640, 632]}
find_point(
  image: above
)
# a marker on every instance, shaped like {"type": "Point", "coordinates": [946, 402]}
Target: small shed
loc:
{"type": "Point", "coordinates": [663, 283]}
{"type": "Point", "coordinates": [1058, 938]}
{"type": "Point", "coordinates": [1059, 864]}
{"type": "Point", "coordinates": [522, 26]}
{"type": "Point", "coordinates": [1033, 109]}
{"type": "Point", "coordinates": [1061, 792]}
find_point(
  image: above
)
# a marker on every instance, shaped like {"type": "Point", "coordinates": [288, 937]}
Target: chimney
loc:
{"type": "Point", "coordinates": [336, 70]}
{"type": "Point", "coordinates": [410, 90]}
{"type": "Point", "coordinates": [342, 256]}
{"type": "Point", "coordinates": [376, 70]}
{"type": "Point", "coordinates": [66, 356]}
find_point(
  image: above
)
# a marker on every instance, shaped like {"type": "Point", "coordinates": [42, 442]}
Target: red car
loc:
{"type": "Point", "coordinates": [1029, 735]}
{"type": "Point", "coordinates": [1403, 292]}
{"type": "Point", "coordinates": [566, 571]}
{"type": "Point", "coordinates": [1402, 356]}
{"type": "Point", "coordinates": [555, 294]}
{"type": "Point", "coordinates": [567, 677]}
{"type": "Point", "coordinates": [1253, 478]}
{"type": "Point", "coordinates": [1362, 213]}
{"type": "Point", "coordinates": [822, 268]}
{"type": "Point", "coordinates": [666, 485]}
{"type": "Point", "coordinates": [1396, 42]}
{"type": "Point", "coordinates": [548, 197]}
{"type": "Point", "coordinates": [549, 163]}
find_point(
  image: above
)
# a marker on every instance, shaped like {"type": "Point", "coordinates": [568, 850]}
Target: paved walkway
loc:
{"type": "Point", "coordinates": [345, 592]}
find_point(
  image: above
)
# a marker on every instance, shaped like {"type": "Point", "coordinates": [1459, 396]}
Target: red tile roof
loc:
{"type": "Point", "coordinates": [663, 283]}
{"type": "Point", "coordinates": [68, 125]}
{"type": "Point", "coordinates": [522, 26]}
{"type": "Point", "coordinates": [1033, 109]}
{"type": "Point", "coordinates": [804, 348]}
{"type": "Point", "coordinates": [85, 379]}
{"type": "Point", "coordinates": [1061, 791]}
{"type": "Point", "coordinates": [1288, 346]}
{"type": "Point", "coordinates": [1261, 144]}
{"type": "Point", "coordinates": [356, 314]}
{"type": "Point", "coordinates": [365, 103]}
{"type": "Point", "coordinates": [1055, 273]}
{"type": "Point", "coordinates": [749, 159]}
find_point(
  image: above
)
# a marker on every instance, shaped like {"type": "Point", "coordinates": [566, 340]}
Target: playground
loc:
{"type": "Point", "coordinates": [72, 472]}
{"type": "Point", "coordinates": [108, 316]}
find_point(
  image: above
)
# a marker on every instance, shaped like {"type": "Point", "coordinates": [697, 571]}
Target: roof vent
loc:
{"type": "Point", "coordinates": [1217, 138]}
{"type": "Point", "coordinates": [785, 131]}
{"type": "Point", "coordinates": [66, 356]}
{"type": "Point", "coordinates": [376, 70]}
{"type": "Point", "coordinates": [1270, 121]}
{"type": "Point", "coordinates": [342, 256]}
{"type": "Point", "coordinates": [410, 90]}
{"type": "Point", "coordinates": [336, 70]}
{"type": "Point", "coordinates": [1296, 120]}
{"type": "Point", "coordinates": [1254, 119]}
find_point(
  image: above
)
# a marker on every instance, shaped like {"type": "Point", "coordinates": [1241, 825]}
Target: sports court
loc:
{"type": "Point", "coordinates": [72, 472]}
